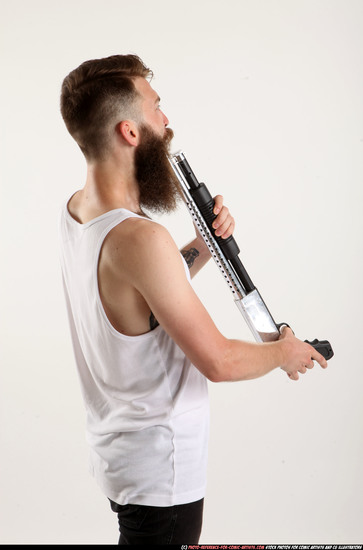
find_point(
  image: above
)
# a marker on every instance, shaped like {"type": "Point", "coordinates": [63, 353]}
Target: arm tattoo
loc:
{"type": "Point", "coordinates": [190, 255]}
{"type": "Point", "coordinates": [153, 322]}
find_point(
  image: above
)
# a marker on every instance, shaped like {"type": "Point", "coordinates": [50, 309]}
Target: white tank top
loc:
{"type": "Point", "coordinates": [146, 404]}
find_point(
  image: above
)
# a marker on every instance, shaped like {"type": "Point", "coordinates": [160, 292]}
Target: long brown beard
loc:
{"type": "Point", "coordinates": [158, 186]}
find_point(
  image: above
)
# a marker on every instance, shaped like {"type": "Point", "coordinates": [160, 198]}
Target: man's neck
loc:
{"type": "Point", "coordinates": [109, 185]}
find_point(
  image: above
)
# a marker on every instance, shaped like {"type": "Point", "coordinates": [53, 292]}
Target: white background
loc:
{"type": "Point", "coordinates": [265, 98]}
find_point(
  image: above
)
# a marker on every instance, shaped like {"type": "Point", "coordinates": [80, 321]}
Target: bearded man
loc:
{"type": "Point", "coordinates": [144, 344]}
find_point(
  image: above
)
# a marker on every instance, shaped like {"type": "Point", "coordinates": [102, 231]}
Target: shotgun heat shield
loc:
{"type": "Point", "coordinates": [258, 317]}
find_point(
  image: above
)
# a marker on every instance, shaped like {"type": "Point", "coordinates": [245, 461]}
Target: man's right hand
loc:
{"type": "Point", "coordinates": [298, 356]}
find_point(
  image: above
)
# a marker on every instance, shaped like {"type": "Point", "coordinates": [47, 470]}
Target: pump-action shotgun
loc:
{"type": "Point", "coordinates": [225, 253]}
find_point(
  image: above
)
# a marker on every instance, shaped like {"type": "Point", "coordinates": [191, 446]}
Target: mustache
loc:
{"type": "Point", "coordinates": [168, 136]}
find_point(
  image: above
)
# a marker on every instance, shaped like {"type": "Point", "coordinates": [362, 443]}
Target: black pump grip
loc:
{"type": "Point", "coordinates": [205, 203]}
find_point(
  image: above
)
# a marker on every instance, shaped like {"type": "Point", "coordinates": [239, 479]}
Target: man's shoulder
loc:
{"type": "Point", "coordinates": [138, 236]}
{"type": "Point", "coordinates": [137, 249]}
{"type": "Point", "coordinates": [137, 230]}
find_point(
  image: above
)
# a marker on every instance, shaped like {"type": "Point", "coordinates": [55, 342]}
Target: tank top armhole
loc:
{"type": "Point", "coordinates": [109, 325]}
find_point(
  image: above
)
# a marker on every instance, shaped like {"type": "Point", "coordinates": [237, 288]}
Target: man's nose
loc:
{"type": "Point", "coordinates": [166, 120]}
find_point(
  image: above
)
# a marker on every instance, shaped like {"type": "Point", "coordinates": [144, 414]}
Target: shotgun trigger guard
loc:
{"type": "Point", "coordinates": [280, 326]}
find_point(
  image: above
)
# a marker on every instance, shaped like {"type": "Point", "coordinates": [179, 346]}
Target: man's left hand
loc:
{"type": "Point", "coordinates": [224, 223]}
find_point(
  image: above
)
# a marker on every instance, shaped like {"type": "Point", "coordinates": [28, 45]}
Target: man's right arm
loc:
{"type": "Point", "coordinates": [156, 270]}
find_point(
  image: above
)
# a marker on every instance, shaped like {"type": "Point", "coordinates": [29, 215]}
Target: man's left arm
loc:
{"type": "Point", "coordinates": [196, 253]}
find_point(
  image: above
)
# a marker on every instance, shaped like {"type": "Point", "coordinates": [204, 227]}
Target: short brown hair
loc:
{"type": "Point", "coordinates": [95, 94]}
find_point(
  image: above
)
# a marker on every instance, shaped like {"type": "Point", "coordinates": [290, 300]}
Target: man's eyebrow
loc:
{"type": "Point", "coordinates": [157, 100]}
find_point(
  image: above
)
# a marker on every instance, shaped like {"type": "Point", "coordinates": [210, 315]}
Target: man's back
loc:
{"type": "Point", "coordinates": [125, 307]}
{"type": "Point", "coordinates": [147, 405]}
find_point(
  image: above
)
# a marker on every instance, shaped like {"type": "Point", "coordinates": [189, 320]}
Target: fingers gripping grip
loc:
{"type": "Point", "coordinates": [323, 347]}
{"type": "Point", "coordinates": [205, 202]}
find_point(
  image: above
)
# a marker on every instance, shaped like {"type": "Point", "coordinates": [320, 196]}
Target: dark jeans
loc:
{"type": "Point", "coordinates": [181, 524]}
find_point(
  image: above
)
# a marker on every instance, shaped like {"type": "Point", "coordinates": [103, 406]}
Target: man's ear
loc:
{"type": "Point", "coordinates": [129, 132]}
